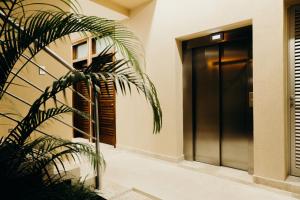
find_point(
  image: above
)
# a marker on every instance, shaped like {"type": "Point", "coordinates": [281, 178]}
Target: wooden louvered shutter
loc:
{"type": "Point", "coordinates": [107, 113]}
{"type": "Point", "coordinates": [84, 106]}
{"type": "Point", "coordinates": [84, 50]}
{"type": "Point", "coordinates": [80, 51]}
{"type": "Point", "coordinates": [295, 91]}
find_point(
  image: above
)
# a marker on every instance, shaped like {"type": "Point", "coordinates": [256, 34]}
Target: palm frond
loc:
{"type": "Point", "coordinates": [43, 28]}
{"type": "Point", "coordinates": [104, 68]}
{"type": "Point", "coordinates": [27, 165]}
{"type": "Point", "coordinates": [15, 8]}
{"type": "Point", "coordinates": [47, 151]}
{"type": "Point", "coordinates": [124, 78]}
{"type": "Point", "coordinates": [32, 121]}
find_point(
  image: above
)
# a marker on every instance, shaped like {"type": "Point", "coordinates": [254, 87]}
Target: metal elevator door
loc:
{"type": "Point", "coordinates": [222, 90]}
{"type": "Point", "coordinates": [206, 88]}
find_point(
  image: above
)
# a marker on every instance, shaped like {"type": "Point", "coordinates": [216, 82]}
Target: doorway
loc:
{"type": "Point", "coordinates": [84, 52]}
{"type": "Point", "coordinates": [222, 113]}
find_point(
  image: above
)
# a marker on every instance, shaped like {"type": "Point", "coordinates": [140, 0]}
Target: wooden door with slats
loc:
{"type": "Point", "coordinates": [107, 113]}
{"type": "Point", "coordinates": [82, 105]}
{"type": "Point", "coordinates": [83, 53]}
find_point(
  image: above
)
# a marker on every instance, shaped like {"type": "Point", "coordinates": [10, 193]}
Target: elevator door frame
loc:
{"type": "Point", "coordinates": [188, 107]}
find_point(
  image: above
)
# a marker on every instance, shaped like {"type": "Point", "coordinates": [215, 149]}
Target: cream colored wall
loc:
{"type": "Point", "coordinates": [159, 24]}
{"type": "Point", "coordinates": [92, 8]}
{"type": "Point", "coordinates": [270, 99]}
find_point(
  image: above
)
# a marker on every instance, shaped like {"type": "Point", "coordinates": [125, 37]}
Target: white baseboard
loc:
{"type": "Point", "coordinates": [151, 154]}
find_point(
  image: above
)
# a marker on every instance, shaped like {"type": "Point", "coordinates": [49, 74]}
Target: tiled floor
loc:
{"type": "Point", "coordinates": [181, 181]}
{"type": "Point", "coordinates": [114, 191]}
{"type": "Point", "coordinates": [133, 195]}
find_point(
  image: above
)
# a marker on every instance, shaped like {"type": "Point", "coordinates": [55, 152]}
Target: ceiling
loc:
{"type": "Point", "coordinates": [122, 6]}
{"type": "Point", "coordinates": [130, 4]}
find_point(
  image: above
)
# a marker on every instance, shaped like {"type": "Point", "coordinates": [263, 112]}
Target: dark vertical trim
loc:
{"type": "Point", "coordinates": [194, 117]}
{"type": "Point", "coordinates": [220, 102]}
{"type": "Point", "coordinates": [187, 88]}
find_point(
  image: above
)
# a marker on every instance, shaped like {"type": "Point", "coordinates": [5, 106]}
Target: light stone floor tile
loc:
{"type": "Point", "coordinates": [111, 190]}
{"type": "Point", "coordinates": [183, 181]}
{"type": "Point", "coordinates": [132, 195]}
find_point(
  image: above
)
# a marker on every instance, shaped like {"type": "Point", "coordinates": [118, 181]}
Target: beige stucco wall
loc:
{"type": "Point", "coordinates": [159, 24]}
{"type": "Point", "coordinates": [270, 104]}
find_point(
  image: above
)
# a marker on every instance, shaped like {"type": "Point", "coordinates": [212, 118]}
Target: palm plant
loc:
{"type": "Point", "coordinates": [24, 32]}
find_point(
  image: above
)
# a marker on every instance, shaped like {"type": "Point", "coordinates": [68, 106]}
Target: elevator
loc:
{"type": "Point", "coordinates": [220, 114]}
